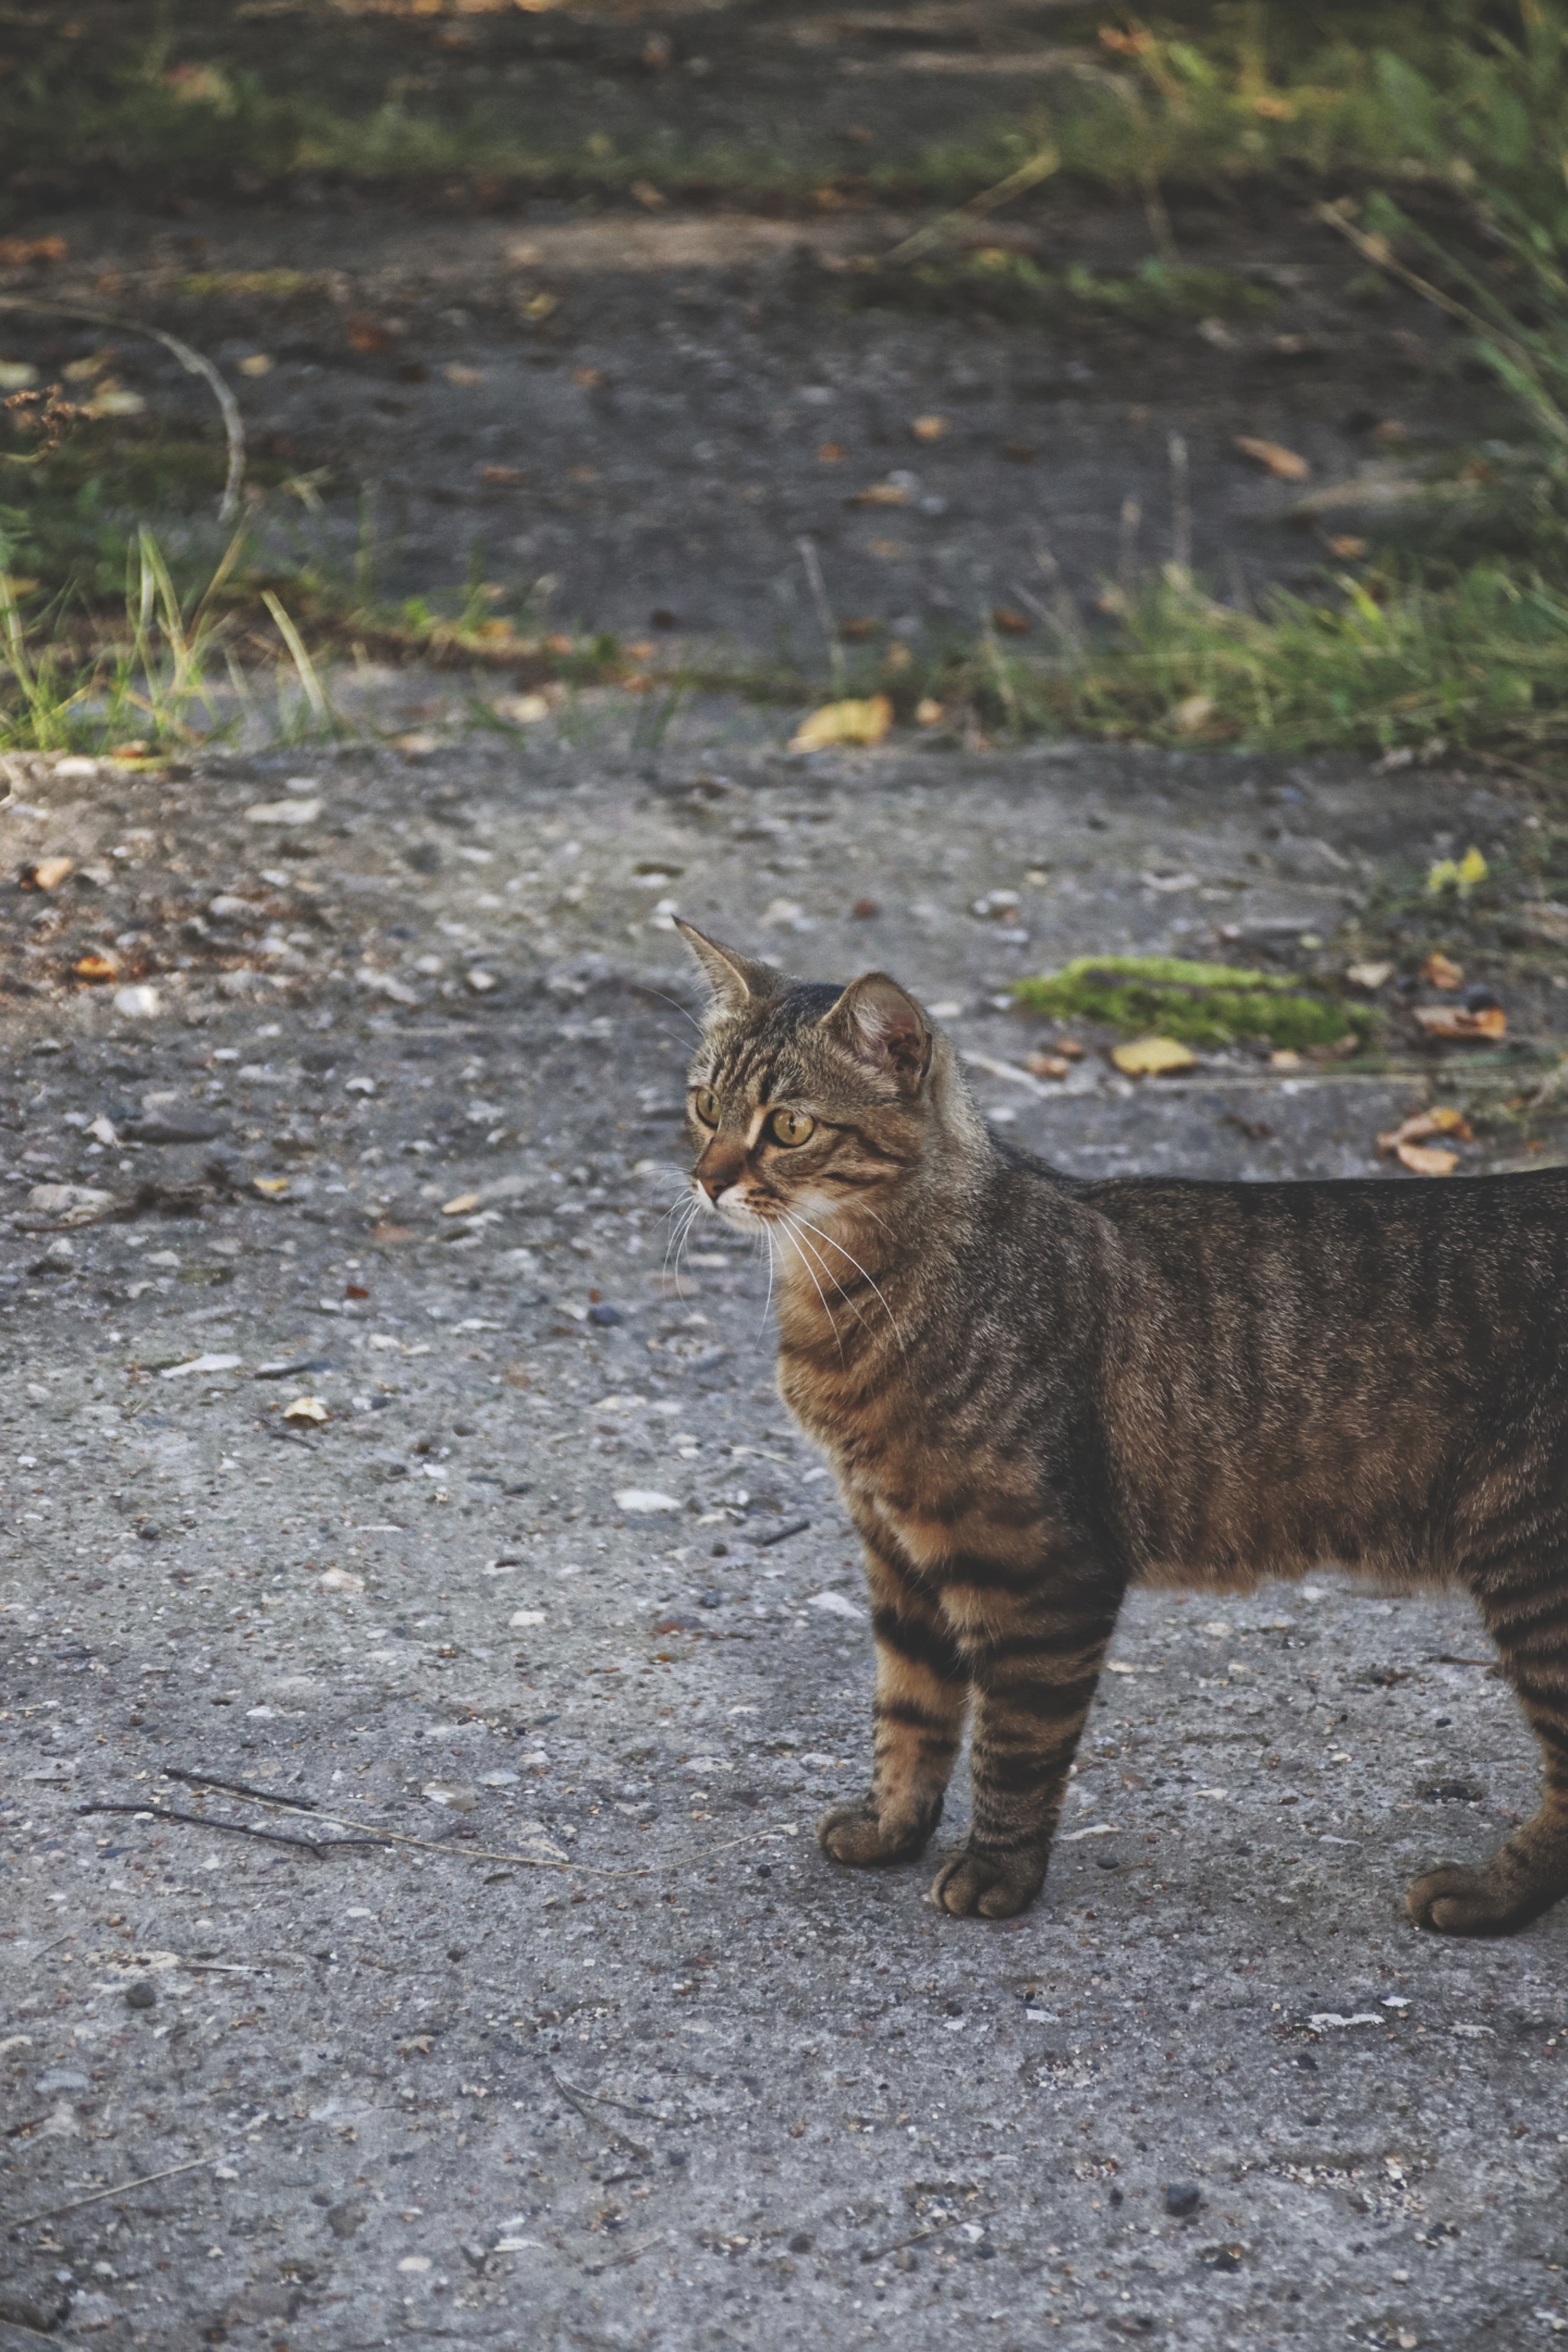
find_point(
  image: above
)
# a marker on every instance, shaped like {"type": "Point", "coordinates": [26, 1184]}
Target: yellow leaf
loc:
{"type": "Point", "coordinates": [463, 1206]}
{"type": "Point", "coordinates": [1441, 972]}
{"type": "Point", "coordinates": [271, 1188]}
{"type": "Point", "coordinates": [844, 722]}
{"type": "Point", "coordinates": [306, 1409]}
{"type": "Point", "coordinates": [258, 363]}
{"type": "Point", "coordinates": [1284, 465]}
{"type": "Point", "coordinates": [1368, 975]}
{"type": "Point", "coordinates": [1425, 1160]}
{"type": "Point", "coordinates": [1444, 874]}
{"type": "Point", "coordinates": [1154, 1057]}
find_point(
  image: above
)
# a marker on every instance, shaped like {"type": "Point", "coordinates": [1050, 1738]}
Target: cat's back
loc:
{"type": "Point", "coordinates": [1454, 1288]}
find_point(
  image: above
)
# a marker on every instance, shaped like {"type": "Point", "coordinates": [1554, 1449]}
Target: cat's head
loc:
{"type": "Point", "coordinates": [815, 1101]}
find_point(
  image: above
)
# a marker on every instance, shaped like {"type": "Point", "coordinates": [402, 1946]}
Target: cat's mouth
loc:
{"type": "Point", "coordinates": [747, 1216]}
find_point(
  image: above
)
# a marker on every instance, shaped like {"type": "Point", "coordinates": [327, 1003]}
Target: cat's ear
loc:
{"type": "Point", "coordinates": [883, 1028]}
{"type": "Point", "coordinates": [735, 979]}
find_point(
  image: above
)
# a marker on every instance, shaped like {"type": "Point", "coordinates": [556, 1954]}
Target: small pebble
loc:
{"type": "Point", "coordinates": [139, 1994]}
{"type": "Point", "coordinates": [1182, 2197]}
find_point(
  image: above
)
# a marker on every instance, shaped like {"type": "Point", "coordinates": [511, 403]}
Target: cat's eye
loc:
{"type": "Point", "coordinates": [705, 1103]}
{"type": "Point", "coordinates": [790, 1128]}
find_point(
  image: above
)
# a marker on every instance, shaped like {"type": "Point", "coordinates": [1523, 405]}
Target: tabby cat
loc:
{"type": "Point", "coordinates": [1037, 1390]}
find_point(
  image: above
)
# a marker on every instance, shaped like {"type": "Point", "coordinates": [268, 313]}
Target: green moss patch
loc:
{"type": "Point", "coordinates": [1202, 1004]}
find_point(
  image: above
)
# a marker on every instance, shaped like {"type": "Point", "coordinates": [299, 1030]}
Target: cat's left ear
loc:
{"type": "Point", "coordinates": [883, 1028]}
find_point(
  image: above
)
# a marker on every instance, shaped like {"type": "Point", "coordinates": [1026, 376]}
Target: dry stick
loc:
{"type": "Point", "coordinates": [824, 613]}
{"type": "Point", "coordinates": [121, 2188]}
{"type": "Point", "coordinates": [1027, 175]}
{"type": "Point", "coordinates": [579, 2099]}
{"type": "Point", "coordinates": [1381, 253]}
{"type": "Point", "coordinates": [1181, 506]}
{"type": "Point", "coordinates": [238, 1788]}
{"type": "Point", "coordinates": [427, 1845]}
{"type": "Point", "coordinates": [194, 363]}
{"type": "Point", "coordinates": [236, 1829]}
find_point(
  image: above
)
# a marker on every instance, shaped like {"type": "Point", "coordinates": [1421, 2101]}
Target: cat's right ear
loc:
{"type": "Point", "coordinates": [735, 979]}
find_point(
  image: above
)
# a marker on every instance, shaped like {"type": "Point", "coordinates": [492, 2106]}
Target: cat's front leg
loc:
{"type": "Point", "coordinates": [1034, 1659]}
{"type": "Point", "coordinates": [921, 1694]}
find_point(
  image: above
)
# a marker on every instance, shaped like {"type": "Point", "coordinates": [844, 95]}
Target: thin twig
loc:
{"type": "Point", "coordinates": [808, 556]}
{"type": "Point", "coordinates": [122, 2188]}
{"type": "Point", "coordinates": [1027, 175]}
{"type": "Point", "coordinates": [194, 363]}
{"type": "Point", "coordinates": [237, 1829]}
{"type": "Point", "coordinates": [238, 1788]}
{"type": "Point", "coordinates": [579, 2099]}
{"type": "Point", "coordinates": [1181, 504]}
{"type": "Point", "coordinates": [435, 1845]}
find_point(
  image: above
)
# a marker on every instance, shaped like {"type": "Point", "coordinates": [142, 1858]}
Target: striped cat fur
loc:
{"type": "Point", "coordinates": [1037, 1391]}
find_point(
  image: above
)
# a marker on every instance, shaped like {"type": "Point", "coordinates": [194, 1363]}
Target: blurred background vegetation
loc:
{"type": "Point", "coordinates": [1435, 139]}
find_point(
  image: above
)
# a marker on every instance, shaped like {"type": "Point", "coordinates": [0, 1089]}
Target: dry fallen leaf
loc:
{"type": "Point", "coordinates": [306, 1408]}
{"type": "Point", "coordinates": [1424, 1160]}
{"type": "Point", "coordinates": [1046, 1065]}
{"type": "Point", "coordinates": [1194, 713]}
{"type": "Point", "coordinates": [930, 428]}
{"type": "Point", "coordinates": [929, 712]}
{"type": "Point", "coordinates": [540, 306]}
{"type": "Point", "coordinates": [1454, 1021]}
{"type": "Point", "coordinates": [880, 494]}
{"type": "Point", "coordinates": [256, 363]}
{"type": "Point", "coordinates": [271, 1188]}
{"type": "Point", "coordinates": [463, 1206]}
{"type": "Point", "coordinates": [45, 873]}
{"type": "Point", "coordinates": [1442, 1120]}
{"type": "Point", "coordinates": [1346, 546]}
{"type": "Point", "coordinates": [844, 722]}
{"type": "Point", "coordinates": [651, 199]}
{"type": "Point", "coordinates": [96, 967]}
{"type": "Point", "coordinates": [831, 453]}
{"type": "Point", "coordinates": [1284, 465]}
{"type": "Point", "coordinates": [1369, 976]}
{"type": "Point", "coordinates": [1011, 623]}
{"type": "Point", "coordinates": [366, 335]}
{"type": "Point", "coordinates": [1441, 973]}
{"type": "Point", "coordinates": [1154, 1057]}
{"type": "Point", "coordinates": [458, 374]}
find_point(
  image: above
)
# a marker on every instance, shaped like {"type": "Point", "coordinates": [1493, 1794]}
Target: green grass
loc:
{"type": "Point", "coordinates": [1373, 666]}
{"type": "Point", "coordinates": [1202, 1004]}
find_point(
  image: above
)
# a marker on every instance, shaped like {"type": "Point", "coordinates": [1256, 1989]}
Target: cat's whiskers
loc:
{"type": "Point", "coordinates": [817, 1286]}
{"type": "Point", "coordinates": [859, 1269]}
{"type": "Point", "coordinates": [802, 1243]}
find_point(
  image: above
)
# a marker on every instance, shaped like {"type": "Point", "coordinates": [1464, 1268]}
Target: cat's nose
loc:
{"type": "Point", "coordinates": [719, 1169]}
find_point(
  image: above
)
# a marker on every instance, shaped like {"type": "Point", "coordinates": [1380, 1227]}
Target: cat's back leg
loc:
{"type": "Point", "coordinates": [1523, 1597]}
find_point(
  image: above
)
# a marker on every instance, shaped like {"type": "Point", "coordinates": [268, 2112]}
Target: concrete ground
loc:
{"type": "Point", "coordinates": [600, 2050]}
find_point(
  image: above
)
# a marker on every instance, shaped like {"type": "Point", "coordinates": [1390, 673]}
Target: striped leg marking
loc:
{"type": "Point", "coordinates": [1036, 1665]}
{"type": "Point", "coordinates": [1526, 1610]}
{"type": "Point", "coordinates": [922, 1690]}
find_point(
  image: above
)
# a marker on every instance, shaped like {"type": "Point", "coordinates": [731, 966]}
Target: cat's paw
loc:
{"type": "Point", "coordinates": [976, 1885]}
{"type": "Point", "coordinates": [857, 1834]}
{"type": "Point", "coordinates": [1453, 1901]}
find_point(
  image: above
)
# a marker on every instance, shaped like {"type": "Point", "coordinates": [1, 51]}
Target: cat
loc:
{"type": "Point", "coordinates": [1037, 1390]}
